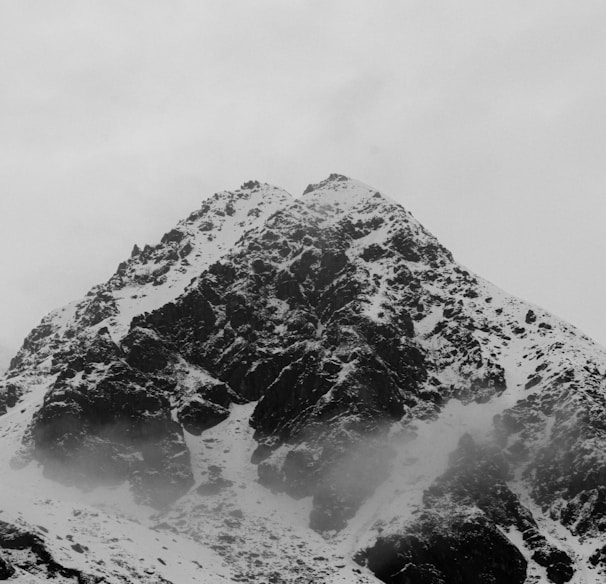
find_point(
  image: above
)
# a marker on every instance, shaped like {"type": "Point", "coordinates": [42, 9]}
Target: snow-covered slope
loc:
{"type": "Point", "coordinates": [291, 386]}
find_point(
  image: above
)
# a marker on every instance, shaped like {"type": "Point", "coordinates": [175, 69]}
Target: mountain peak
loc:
{"type": "Point", "coordinates": [255, 186]}
{"type": "Point", "coordinates": [338, 194]}
{"type": "Point", "coordinates": [335, 182]}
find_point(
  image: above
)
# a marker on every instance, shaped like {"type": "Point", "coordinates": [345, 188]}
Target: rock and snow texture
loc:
{"type": "Point", "coordinates": [303, 390]}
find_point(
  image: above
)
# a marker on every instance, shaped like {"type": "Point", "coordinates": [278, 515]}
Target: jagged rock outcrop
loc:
{"type": "Point", "coordinates": [458, 536]}
{"type": "Point", "coordinates": [443, 547]}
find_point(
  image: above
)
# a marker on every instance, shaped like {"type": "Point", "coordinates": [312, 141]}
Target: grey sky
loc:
{"type": "Point", "coordinates": [485, 119]}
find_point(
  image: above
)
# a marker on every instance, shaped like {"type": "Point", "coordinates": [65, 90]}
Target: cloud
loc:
{"type": "Point", "coordinates": [484, 120]}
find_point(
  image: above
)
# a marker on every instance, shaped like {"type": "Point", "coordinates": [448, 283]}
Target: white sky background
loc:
{"type": "Point", "coordinates": [485, 119]}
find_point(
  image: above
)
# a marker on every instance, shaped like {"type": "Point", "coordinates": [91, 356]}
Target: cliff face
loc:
{"type": "Point", "coordinates": [329, 353]}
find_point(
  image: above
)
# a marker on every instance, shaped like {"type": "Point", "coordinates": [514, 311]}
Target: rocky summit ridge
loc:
{"type": "Point", "coordinates": [303, 389]}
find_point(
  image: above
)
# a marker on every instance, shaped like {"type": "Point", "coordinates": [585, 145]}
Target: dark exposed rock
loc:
{"type": "Point", "coordinates": [99, 349]}
{"type": "Point", "coordinates": [262, 373]}
{"type": "Point", "coordinates": [173, 236]}
{"type": "Point", "coordinates": [451, 549]}
{"type": "Point", "coordinates": [251, 184]}
{"type": "Point", "coordinates": [219, 393]}
{"type": "Point", "coordinates": [373, 252]}
{"type": "Point", "coordinates": [530, 317]}
{"type": "Point", "coordinates": [91, 434]}
{"type": "Point", "coordinates": [185, 250]}
{"type": "Point", "coordinates": [477, 479]}
{"type": "Point", "coordinates": [145, 351]}
{"type": "Point", "coordinates": [10, 393]}
{"type": "Point", "coordinates": [6, 568]}
{"type": "Point", "coordinates": [197, 415]}
{"type": "Point", "coordinates": [122, 267]}
{"type": "Point", "coordinates": [598, 558]}
{"type": "Point", "coordinates": [534, 380]}
{"type": "Point", "coordinates": [303, 267]}
{"type": "Point", "coordinates": [193, 308]}
{"type": "Point", "coordinates": [331, 263]}
{"type": "Point", "coordinates": [405, 245]}
{"type": "Point", "coordinates": [336, 296]}
{"type": "Point", "coordinates": [206, 226]}
{"type": "Point", "coordinates": [458, 539]}
{"type": "Point", "coordinates": [288, 288]}
{"type": "Point", "coordinates": [259, 266]}
{"type": "Point", "coordinates": [297, 387]}
{"type": "Point", "coordinates": [101, 306]}
{"type": "Point", "coordinates": [567, 475]}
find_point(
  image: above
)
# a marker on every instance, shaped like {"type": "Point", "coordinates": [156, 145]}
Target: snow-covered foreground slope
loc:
{"type": "Point", "coordinates": [307, 390]}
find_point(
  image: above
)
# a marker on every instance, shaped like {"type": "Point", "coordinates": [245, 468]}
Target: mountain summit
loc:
{"type": "Point", "coordinates": [304, 389]}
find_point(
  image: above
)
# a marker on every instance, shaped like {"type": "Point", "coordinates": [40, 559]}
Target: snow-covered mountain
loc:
{"type": "Point", "coordinates": [303, 389]}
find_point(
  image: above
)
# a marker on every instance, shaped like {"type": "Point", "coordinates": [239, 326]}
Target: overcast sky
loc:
{"type": "Point", "coordinates": [485, 119]}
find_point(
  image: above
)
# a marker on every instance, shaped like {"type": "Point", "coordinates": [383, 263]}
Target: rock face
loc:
{"type": "Point", "coordinates": [347, 328]}
{"type": "Point", "coordinates": [445, 547]}
{"type": "Point", "coordinates": [458, 536]}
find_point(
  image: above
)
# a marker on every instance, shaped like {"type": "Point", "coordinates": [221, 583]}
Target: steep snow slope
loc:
{"type": "Point", "coordinates": [332, 367]}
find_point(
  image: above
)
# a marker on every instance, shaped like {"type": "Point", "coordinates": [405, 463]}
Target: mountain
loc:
{"type": "Point", "coordinates": [303, 389]}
